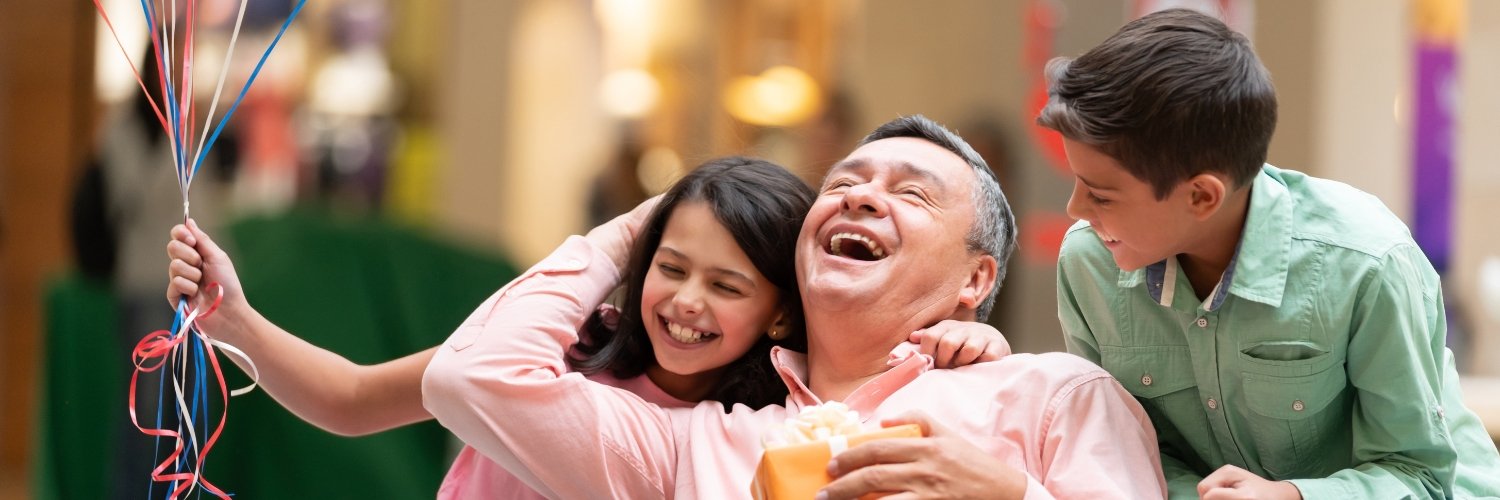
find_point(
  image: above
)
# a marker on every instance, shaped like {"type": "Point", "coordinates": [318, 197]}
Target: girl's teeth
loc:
{"type": "Point", "coordinates": [684, 334]}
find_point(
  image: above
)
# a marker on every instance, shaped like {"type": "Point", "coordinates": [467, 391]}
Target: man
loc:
{"type": "Point", "coordinates": [909, 230]}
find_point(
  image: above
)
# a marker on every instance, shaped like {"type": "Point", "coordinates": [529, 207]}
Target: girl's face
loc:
{"type": "Point", "coordinates": [703, 303]}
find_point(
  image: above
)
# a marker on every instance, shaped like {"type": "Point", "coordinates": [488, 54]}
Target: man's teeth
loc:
{"type": "Point", "coordinates": [686, 335]}
{"type": "Point", "coordinates": [835, 244]}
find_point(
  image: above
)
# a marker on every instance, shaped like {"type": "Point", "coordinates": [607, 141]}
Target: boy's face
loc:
{"type": "Point", "coordinates": [1138, 229]}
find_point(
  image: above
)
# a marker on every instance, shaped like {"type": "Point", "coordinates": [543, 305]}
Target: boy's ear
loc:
{"type": "Point", "coordinates": [1206, 193]}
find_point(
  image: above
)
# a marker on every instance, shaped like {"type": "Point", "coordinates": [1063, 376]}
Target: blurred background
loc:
{"type": "Point", "coordinates": [398, 160]}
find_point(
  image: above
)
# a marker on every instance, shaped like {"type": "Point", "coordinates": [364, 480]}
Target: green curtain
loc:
{"type": "Point", "coordinates": [360, 287]}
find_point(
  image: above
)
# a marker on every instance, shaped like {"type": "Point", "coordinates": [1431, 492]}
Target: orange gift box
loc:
{"type": "Point", "coordinates": [796, 472]}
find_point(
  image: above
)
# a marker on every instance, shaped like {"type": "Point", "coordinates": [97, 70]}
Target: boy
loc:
{"type": "Point", "coordinates": [1284, 333]}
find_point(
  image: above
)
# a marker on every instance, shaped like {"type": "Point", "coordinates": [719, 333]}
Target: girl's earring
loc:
{"type": "Point", "coordinates": [776, 333]}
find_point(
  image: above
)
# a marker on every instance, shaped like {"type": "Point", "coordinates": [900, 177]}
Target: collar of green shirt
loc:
{"type": "Point", "coordinates": [1258, 271]}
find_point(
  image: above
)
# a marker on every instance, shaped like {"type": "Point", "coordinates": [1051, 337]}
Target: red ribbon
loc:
{"type": "Point", "coordinates": [151, 354]}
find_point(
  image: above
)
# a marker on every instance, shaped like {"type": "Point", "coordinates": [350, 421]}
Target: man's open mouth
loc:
{"type": "Point", "coordinates": [855, 246]}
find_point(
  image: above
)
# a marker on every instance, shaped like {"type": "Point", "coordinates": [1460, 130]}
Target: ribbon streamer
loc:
{"type": "Point", "coordinates": [185, 353]}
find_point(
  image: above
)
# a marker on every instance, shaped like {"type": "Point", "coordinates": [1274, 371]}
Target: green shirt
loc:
{"type": "Point", "coordinates": [1318, 358]}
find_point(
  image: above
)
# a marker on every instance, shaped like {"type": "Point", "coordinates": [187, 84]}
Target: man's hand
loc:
{"type": "Point", "coordinates": [1234, 483]}
{"type": "Point", "coordinates": [954, 343]}
{"type": "Point", "coordinates": [941, 465]}
{"type": "Point", "coordinates": [617, 236]}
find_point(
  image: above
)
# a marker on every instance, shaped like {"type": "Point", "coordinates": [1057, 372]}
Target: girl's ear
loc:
{"type": "Point", "coordinates": [779, 328]}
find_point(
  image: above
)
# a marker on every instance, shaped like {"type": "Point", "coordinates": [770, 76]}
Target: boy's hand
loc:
{"type": "Point", "coordinates": [197, 261]}
{"type": "Point", "coordinates": [1234, 483]}
{"type": "Point", "coordinates": [617, 236]}
{"type": "Point", "coordinates": [961, 343]}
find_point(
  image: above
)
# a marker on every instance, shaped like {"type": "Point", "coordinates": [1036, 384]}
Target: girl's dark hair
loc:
{"type": "Point", "coordinates": [762, 205]}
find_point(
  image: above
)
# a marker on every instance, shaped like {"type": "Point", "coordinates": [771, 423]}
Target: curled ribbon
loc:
{"type": "Point", "coordinates": [163, 347]}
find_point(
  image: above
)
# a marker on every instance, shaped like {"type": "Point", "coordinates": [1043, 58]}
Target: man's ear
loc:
{"type": "Point", "coordinates": [1206, 193]}
{"type": "Point", "coordinates": [979, 283]}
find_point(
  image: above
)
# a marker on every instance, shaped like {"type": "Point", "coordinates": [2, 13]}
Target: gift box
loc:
{"type": "Point", "coordinates": [798, 471]}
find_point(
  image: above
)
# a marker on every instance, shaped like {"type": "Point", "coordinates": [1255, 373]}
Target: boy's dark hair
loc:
{"type": "Point", "coordinates": [762, 205]}
{"type": "Point", "coordinates": [994, 230]}
{"type": "Point", "coordinates": [1171, 95]}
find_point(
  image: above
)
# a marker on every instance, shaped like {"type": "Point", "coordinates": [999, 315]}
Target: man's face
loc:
{"type": "Point", "coordinates": [1138, 229]}
{"type": "Point", "coordinates": [885, 236]}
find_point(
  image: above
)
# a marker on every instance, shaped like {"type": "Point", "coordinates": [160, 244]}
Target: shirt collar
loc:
{"type": "Point", "coordinates": [1258, 270]}
{"type": "Point", "coordinates": [906, 363]}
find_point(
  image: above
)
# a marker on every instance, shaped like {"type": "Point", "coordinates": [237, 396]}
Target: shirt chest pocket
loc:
{"type": "Point", "coordinates": [1160, 376]}
{"type": "Point", "coordinates": [1292, 418]}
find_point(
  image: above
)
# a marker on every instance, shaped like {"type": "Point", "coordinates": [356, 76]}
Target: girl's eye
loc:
{"type": "Point", "coordinates": [669, 270]}
{"type": "Point", "coordinates": [728, 288]}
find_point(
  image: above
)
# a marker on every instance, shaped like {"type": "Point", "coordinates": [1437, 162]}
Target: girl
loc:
{"type": "Point", "coordinates": [698, 320]}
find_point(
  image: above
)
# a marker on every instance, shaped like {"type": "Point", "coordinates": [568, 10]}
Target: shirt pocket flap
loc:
{"type": "Point", "coordinates": [1293, 398]}
{"type": "Point", "coordinates": [1150, 371]}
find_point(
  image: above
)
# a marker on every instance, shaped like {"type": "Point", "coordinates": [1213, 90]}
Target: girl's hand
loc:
{"type": "Point", "coordinates": [961, 343]}
{"type": "Point", "coordinates": [197, 261]}
{"type": "Point", "coordinates": [617, 236]}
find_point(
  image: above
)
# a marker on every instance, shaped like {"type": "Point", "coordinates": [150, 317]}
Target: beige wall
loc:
{"type": "Point", "coordinates": [1478, 184]}
{"type": "Point", "coordinates": [471, 117]}
{"type": "Point", "coordinates": [1342, 70]}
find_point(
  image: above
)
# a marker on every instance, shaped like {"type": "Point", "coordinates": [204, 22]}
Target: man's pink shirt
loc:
{"type": "Point", "coordinates": [502, 385]}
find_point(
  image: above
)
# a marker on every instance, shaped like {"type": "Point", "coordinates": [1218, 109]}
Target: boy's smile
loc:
{"type": "Point", "coordinates": [1136, 227]}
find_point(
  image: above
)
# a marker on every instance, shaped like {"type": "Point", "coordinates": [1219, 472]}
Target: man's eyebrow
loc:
{"type": "Point", "coordinates": [717, 270]}
{"type": "Point", "coordinates": [932, 177]}
{"type": "Point", "coordinates": [905, 167]}
{"type": "Point", "coordinates": [847, 164]}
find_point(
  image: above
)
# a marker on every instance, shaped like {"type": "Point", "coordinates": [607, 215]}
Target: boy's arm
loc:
{"type": "Point", "coordinates": [1182, 482]}
{"type": "Point", "coordinates": [1395, 362]}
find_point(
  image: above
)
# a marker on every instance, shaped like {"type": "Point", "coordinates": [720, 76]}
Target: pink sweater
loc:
{"type": "Point", "coordinates": [474, 476]}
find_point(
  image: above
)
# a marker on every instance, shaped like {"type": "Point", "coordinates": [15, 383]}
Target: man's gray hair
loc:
{"type": "Point", "coordinates": [994, 229]}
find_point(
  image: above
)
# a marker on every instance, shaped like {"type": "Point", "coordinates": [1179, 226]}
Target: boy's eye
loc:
{"type": "Point", "coordinates": [1097, 200]}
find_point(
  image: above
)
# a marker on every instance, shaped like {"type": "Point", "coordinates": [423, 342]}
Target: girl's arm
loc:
{"type": "Point", "coordinates": [317, 385]}
{"type": "Point", "coordinates": [501, 382]}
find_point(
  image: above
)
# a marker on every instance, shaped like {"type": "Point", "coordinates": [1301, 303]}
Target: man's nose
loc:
{"type": "Point", "coordinates": [864, 199]}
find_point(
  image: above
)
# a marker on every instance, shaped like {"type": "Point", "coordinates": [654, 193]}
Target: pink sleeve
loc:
{"type": "Point", "coordinates": [501, 384]}
{"type": "Point", "coordinates": [1097, 444]}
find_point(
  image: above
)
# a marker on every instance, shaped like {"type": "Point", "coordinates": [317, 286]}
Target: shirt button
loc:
{"type": "Point", "coordinates": [1298, 406]}
{"type": "Point", "coordinates": [1213, 404]}
{"type": "Point", "coordinates": [1145, 379]}
{"type": "Point", "coordinates": [1202, 322]}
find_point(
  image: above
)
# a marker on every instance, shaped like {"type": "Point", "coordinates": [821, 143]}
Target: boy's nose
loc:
{"type": "Point", "coordinates": [1077, 208]}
